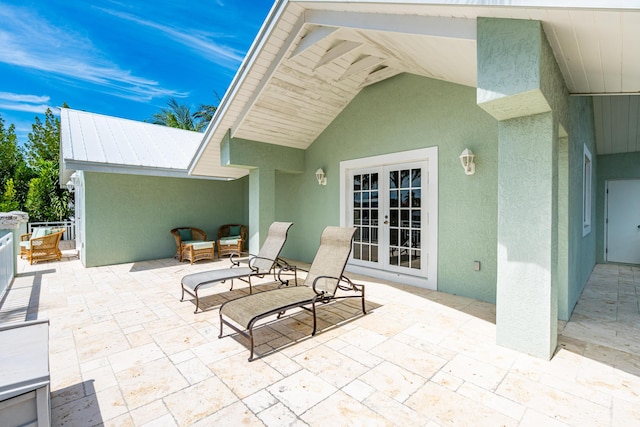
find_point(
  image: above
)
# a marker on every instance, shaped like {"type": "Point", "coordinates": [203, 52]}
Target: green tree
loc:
{"type": "Point", "coordinates": [176, 116]}
{"type": "Point", "coordinates": [204, 115]}
{"type": "Point", "coordinates": [8, 201]}
{"type": "Point", "coordinates": [46, 200]}
{"type": "Point", "coordinates": [13, 167]}
{"type": "Point", "coordinates": [44, 140]}
{"type": "Point", "coordinates": [180, 116]}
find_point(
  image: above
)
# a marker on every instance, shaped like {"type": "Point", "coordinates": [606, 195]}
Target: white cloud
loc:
{"type": "Point", "coordinates": [28, 108]}
{"type": "Point", "coordinates": [27, 40]}
{"type": "Point", "coordinates": [26, 103]}
{"type": "Point", "coordinates": [200, 42]}
{"type": "Point", "coordinates": [16, 97]}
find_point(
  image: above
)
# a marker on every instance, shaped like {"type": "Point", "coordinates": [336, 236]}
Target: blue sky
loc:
{"type": "Point", "coordinates": [121, 58]}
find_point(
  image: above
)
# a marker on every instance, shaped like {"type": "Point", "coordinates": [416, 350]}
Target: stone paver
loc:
{"type": "Point", "coordinates": [125, 351]}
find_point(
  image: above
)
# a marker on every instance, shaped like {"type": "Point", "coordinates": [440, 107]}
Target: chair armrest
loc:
{"type": "Point", "coordinates": [255, 257]}
{"type": "Point", "coordinates": [25, 237]}
{"type": "Point", "coordinates": [323, 293]}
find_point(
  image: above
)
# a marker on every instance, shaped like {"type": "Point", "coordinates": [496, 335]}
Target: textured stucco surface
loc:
{"type": "Point", "coordinates": [263, 160]}
{"type": "Point", "coordinates": [404, 113]}
{"type": "Point", "coordinates": [581, 251]}
{"type": "Point", "coordinates": [610, 167]}
{"type": "Point", "coordinates": [128, 217]}
{"type": "Point", "coordinates": [514, 60]}
{"type": "Point", "coordinates": [512, 88]}
{"type": "Point", "coordinates": [526, 312]}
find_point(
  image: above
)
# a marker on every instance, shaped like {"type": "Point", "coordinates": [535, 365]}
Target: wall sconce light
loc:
{"type": "Point", "coordinates": [321, 177]}
{"type": "Point", "coordinates": [466, 158]}
{"type": "Point", "coordinates": [70, 186]}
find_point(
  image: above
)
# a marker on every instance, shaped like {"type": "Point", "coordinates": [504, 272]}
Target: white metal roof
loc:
{"type": "Point", "coordinates": [312, 57]}
{"type": "Point", "coordinates": [95, 142]}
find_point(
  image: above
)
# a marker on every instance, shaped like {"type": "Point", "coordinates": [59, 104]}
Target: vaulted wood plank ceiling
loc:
{"type": "Point", "coordinates": [313, 57]}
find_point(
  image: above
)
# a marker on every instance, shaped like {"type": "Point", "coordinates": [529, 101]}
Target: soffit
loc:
{"type": "Point", "coordinates": [313, 57]}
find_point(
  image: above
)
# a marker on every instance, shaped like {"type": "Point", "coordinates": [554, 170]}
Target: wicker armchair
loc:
{"type": "Point", "coordinates": [231, 238]}
{"type": "Point", "coordinates": [42, 247]}
{"type": "Point", "coordinates": [186, 235]}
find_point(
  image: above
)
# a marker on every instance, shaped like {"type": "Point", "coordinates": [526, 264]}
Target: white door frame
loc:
{"type": "Point", "coordinates": [429, 276]}
{"type": "Point", "coordinates": [633, 230]}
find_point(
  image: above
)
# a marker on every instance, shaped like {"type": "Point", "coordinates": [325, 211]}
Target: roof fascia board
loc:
{"type": "Point", "coordinates": [293, 35]}
{"type": "Point", "coordinates": [267, 27]}
{"type": "Point", "coordinates": [538, 4]}
{"type": "Point", "coordinates": [136, 170]}
{"type": "Point", "coordinates": [457, 28]}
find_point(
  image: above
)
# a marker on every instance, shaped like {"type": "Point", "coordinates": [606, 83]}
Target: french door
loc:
{"type": "Point", "coordinates": [388, 212]}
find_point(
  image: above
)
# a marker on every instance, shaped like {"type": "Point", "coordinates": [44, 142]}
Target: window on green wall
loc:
{"type": "Point", "coordinates": [586, 192]}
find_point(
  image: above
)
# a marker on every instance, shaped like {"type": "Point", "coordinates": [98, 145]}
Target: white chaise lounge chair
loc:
{"type": "Point", "coordinates": [266, 262]}
{"type": "Point", "coordinates": [324, 278]}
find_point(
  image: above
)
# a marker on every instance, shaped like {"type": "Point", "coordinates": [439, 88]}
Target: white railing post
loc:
{"type": "Point", "coordinates": [7, 258]}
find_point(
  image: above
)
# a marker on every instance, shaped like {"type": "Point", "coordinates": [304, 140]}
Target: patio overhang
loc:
{"type": "Point", "coordinates": [311, 58]}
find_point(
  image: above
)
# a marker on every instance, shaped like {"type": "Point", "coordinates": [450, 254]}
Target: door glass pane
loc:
{"type": "Point", "coordinates": [393, 217]}
{"type": "Point", "coordinates": [404, 218]}
{"type": "Point", "coordinates": [356, 251]}
{"type": "Point", "coordinates": [416, 239]}
{"type": "Point", "coordinates": [365, 182]}
{"type": "Point", "coordinates": [393, 256]}
{"type": "Point", "coordinates": [393, 179]}
{"type": "Point", "coordinates": [356, 200]}
{"type": "Point", "coordinates": [415, 218]}
{"type": "Point", "coordinates": [356, 183]}
{"type": "Point", "coordinates": [374, 199]}
{"type": "Point", "coordinates": [393, 237]}
{"type": "Point", "coordinates": [404, 179]}
{"type": "Point", "coordinates": [365, 217]}
{"type": "Point", "coordinates": [393, 199]}
{"type": "Point", "coordinates": [374, 218]}
{"type": "Point", "coordinates": [356, 236]}
{"type": "Point", "coordinates": [374, 253]}
{"type": "Point", "coordinates": [404, 198]}
{"type": "Point", "coordinates": [374, 181]}
{"type": "Point", "coordinates": [416, 177]}
{"type": "Point", "coordinates": [404, 238]}
{"type": "Point", "coordinates": [365, 199]}
{"type": "Point", "coordinates": [356, 217]}
{"type": "Point", "coordinates": [415, 198]}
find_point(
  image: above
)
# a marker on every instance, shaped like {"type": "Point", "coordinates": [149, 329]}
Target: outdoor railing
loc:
{"type": "Point", "coordinates": [6, 262]}
{"type": "Point", "coordinates": [69, 234]}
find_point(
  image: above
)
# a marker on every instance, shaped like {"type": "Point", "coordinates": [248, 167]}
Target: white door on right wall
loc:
{"type": "Point", "coordinates": [623, 221]}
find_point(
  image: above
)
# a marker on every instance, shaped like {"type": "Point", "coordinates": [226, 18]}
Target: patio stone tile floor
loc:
{"type": "Point", "coordinates": [124, 351]}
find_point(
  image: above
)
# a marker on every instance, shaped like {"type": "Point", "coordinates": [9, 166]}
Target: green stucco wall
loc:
{"type": "Point", "coordinates": [128, 217]}
{"type": "Point", "coordinates": [581, 250]}
{"type": "Point", "coordinates": [404, 113]}
{"type": "Point", "coordinates": [610, 167]}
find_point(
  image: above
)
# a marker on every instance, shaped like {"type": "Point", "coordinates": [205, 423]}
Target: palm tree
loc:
{"type": "Point", "coordinates": [176, 116]}
{"type": "Point", "coordinates": [205, 114]}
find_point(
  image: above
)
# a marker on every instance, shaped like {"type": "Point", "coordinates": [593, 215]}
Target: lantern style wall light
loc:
{"type": "Point", "coordinates": [70, 187]}
{"type": "Point", "coordinates": [321, 177]}
{"type": "Point", "coordinates": [466, 158]}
